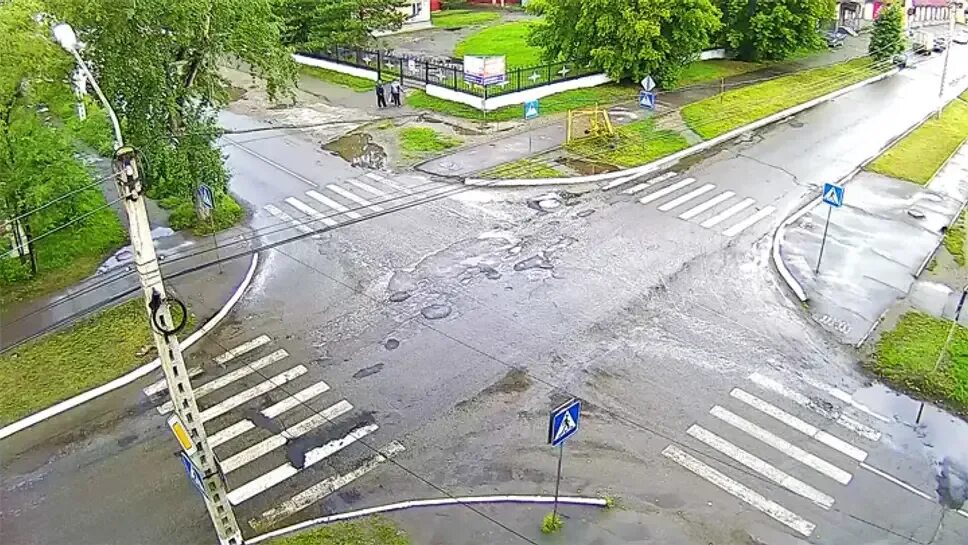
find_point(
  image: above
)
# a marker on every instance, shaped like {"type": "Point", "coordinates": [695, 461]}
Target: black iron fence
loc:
{"type": "Point", "coordinates": [450, 74]}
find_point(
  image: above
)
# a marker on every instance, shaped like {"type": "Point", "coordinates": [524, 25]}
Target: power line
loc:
{"type": "Point", "coordinates": [58, 228]}
{"type": "Point", "coordinates": [97, 182]}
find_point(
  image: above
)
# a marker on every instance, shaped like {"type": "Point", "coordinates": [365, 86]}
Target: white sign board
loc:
{"type": "Point", "coordinates": [648, 83]}
{"type": "Point", "coordinates": [485, 70]}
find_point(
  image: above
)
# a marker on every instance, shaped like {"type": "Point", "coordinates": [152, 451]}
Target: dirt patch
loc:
{"type": "Point", "coordinates": [514, 382]}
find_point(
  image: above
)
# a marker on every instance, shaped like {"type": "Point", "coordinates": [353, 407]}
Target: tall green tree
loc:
{"type": "Point", "coordinates": [157, 62]}
{"type": "Point", "coordinates": [774, 29]}
{"type": "Point", "coordinates": [887, 37]}
{"type": "Point", "coordinates": [311, 24]}
{"type": "Point", "coordinates": [626, 38]}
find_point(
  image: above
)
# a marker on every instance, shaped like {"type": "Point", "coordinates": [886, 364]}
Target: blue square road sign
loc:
{"type": "Point", "coordinates": [564, 422]}
{"type": "Point", "coordinates": [531, 109]}
{"type": "Point", "coordinates": [833, 194]}
{"type": "Point", "coordinates": [193, 474]}
{"type": "Point", "coordinates": [647, 100]}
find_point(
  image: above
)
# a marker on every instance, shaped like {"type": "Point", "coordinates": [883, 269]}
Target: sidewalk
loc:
{"type": "Point", "coordinates": [877, 245]}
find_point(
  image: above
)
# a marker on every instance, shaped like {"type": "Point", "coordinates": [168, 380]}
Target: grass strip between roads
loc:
{"type": "Point", "coordinates": [713, 70]}
{"type": "Point", "coordinates": [724, 112]}
{"type": "Point", "coordinates": [337, 78]}
{"type": "Point", "coordinates": [459, 18]}
{"type": "Point", "coordinates": [425, 139]}
{"type": "Point", "coordinates": [366, 531]}
{"type": "Point", "coordinates": [62, 364]}
{"type": "Point", "coordinates": [906, 357]}
{"type": "Point", "coordinates": [632, 145]}
{"type": "Point", "coordinates": [954, 239]}
{"type": "Point", "coordinates": [918, 156]}
{"type": "Point", "coordinates": [522, 169]}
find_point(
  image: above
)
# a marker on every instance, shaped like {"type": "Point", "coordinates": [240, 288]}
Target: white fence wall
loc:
{"type": "Point", "coordinates": [337, 67]}
{"type": "Point", "coordinates": [455, 96]}
{"type": "Point", "coordinates": [713, 54]}
{"type": "Point", "coordinates": [521, 97]}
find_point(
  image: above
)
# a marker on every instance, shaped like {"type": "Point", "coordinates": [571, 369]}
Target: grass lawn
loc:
{"type": "Point", "coordinates": [906, 358]}
{"type": "Point", "coordinates": [561, 102]}
{"type": "Point", "coordinates": [460, 18]}
{"type": "Point", "coordinates": [366, 531]}
{"type": "Point", "coordinates": [920, 154]}
{"type": "Point", "coordinates": [425, 140]}
{"type": "Point", "coordinates": [62, 364]}
{"type": "Point", "coordinates": [722, 113]}
{"type": "Point", "coordinates": [525, 169]}
{"type": "Point", "coordinates": [634, 144]}
{"type": "Point", "coordinates": [509, 39]}
{"type": "Point", "coordinates": [713, 70]}
{"type": "Point", "coordinates": [954, 239]}
{"type": "Point", "coordinates": [357, 84]}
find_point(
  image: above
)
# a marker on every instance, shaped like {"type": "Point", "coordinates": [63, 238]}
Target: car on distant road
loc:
{"type": "Point", "coordinates": [939, 45]}
{"type": "Point", "coordinates": [960, 37]}
{"type": "Point", "coordinates": [835, 38]}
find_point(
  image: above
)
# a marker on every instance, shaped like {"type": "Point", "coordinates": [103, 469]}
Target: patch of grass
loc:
{"type": "Point", "coordinates": [525, 169]}
{"type": "Point", "coordinates": [460, 18]}
{"type": "Point", "coordinates": [360, 85]}
{"type": "Point", "coordinates": [227, 213]}
{"type": "Point", "coordinates": [366, 531]}
{"type": "Point", "coordinates": [66, 363]}
{"type": "Point", "coordinates": [954, 239]}
{"type": "Point", "coordinates": [635, 144]}
{"type": "Point", "coordinates": [722, 113]}
{"type": "Point", "coordinates": [919, 155]}
{"type": "Point", "coordinates": [906, 357]}
{"type": "Point", "coordinates": [508, 39]}
{"type": "Point", "coordinates": [425, 140]}
{"type": "Point", "coordinates": [554, 104]}
{"type": "Point", "coordinates": [713, 70]}
{"type": "Point", "coordinates": [551, 523]}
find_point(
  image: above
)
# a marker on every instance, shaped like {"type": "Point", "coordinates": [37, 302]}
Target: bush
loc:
{"type": "Point", "coordinates": [551, 523]}
{"type": "Point", "coordinates": [227, 213]}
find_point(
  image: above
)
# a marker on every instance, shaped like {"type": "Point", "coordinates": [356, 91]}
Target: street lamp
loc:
{"type": "Point", "coordinates": [65, 36]}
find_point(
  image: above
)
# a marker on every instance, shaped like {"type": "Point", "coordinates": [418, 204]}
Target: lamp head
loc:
{"type": "Point", "coordinates": [64, 35]}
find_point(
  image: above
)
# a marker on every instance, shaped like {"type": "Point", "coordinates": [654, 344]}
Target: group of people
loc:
{"type": "Point", "coordinates": [395, 90]}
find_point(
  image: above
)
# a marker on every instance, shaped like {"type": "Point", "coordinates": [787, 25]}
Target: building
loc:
{"type": "Point", "coordinates": [858, 13]}
{"type": "Point", "coordinates": [418, 15]}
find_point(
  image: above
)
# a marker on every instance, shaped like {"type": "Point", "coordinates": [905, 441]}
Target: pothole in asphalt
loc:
{"type": "Point", "coordinates": [367, 371]}
{"type": "Point", "coordinates": [435, 311]}
{"type": "Point", "coordinates": [533, 262]}
{"type": "Point", "coordinates": [358, 150]}
{"type": "Point", "coordinates": [399, 296]}
{"type": "Point", "coordinates": [391, 344]}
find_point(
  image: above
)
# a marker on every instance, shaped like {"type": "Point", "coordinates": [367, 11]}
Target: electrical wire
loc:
{"type": "Point", "coordinates": [49, 232]}
{"type": "Point", "coordinates": [60, 198]}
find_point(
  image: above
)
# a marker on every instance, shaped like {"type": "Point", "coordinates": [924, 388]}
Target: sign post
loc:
{"type": "Point", "coordinates": [530, 112]}
{"type": "Point", "coordinates": [833, 195]}
{"type": "Point", "coordinates": [207, 198]}
{"type": "Point", "coordinates": [562, 424]}
{"type": "Point", "coordinates": [646, 96]}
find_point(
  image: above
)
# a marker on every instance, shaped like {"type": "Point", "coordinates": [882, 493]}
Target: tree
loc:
{"type": "Point", "coordinates": [626, 38]}
{"type": "Point", "coordinates": [887, 37]}
{"type": "Point", "coordinates": [774, 29]}
{"type": "Point", "coordinates": [157, 62]}
{"type": "Point", "coordinates": [311, 24]}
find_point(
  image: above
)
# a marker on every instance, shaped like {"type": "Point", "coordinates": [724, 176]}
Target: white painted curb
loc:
{"type": "Point", "coordinates": [132, 376]}
{"type": "Point", "coordinates": [666, 161]}
{"type": "Point", "coordinates": [564, 500]}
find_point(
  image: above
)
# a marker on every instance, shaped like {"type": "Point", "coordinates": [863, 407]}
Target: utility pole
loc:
{"type": "Point", "coordinates": [163, 329]}
{"type": "Point", "coordinates": [947, 55]}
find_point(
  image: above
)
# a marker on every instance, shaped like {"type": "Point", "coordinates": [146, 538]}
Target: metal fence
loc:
{"type": "Point", "coordinates": [450, 74]}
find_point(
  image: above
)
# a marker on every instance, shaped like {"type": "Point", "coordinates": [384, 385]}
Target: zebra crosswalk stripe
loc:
{"type": "Point", "coordinates": [310, 211]}
{"type": "Point", "coordinates": [252, 393]}
{"type": "Point", "coordinates": [290, 402]}
{"type": "Point", "coordinates": [666, 190]}
{"type": "Point", "coordinates": [686, 198]}
{"type": "Point", "coordinates": [700, 208]}
{"type": "Point", "coordinates": [722, 216]}
{"type": "Point", "coordinates": [354, 197]}
{"type": "Point", "coordinates": [739, 227]}
{"type": "Point", "coordinates": [326, 201]}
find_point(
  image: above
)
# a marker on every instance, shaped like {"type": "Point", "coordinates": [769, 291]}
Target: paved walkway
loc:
{"type": "Point", "coordinates": [877, 244]}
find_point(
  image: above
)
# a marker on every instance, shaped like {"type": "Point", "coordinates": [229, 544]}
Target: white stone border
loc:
{"type": "Point", "coordinates": [132, 376]}
{"type": "Point", "coordinates": [563, 500]}
{"type": "Point", "coordinates": [666, 161]}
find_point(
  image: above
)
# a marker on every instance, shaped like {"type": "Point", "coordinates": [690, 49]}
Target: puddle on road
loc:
{"type": "Point", "coordinates": [358, 150]}
{"type": "Point", "coordinates": [125, 256]}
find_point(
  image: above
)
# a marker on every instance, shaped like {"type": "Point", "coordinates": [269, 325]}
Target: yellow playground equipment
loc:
{"type": "Point", "coordinates": [587, 122]}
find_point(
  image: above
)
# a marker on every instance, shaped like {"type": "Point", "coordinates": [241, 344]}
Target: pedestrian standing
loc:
{"type": "Point", "coordinates": [381, 97]}
{"type": "Point", "coordinates": [395, 90]}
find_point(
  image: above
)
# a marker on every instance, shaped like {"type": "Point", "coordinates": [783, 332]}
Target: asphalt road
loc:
{"type": "Point", "coordinates": [445, 332]}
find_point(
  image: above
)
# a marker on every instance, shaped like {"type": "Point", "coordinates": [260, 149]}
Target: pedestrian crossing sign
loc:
{"type": "Point", "coordinates": [833, 194]}
{"type": "Point", "coordinates": [647, 100]}
{"type": "Point", "coordinates": [564, 422]}
{"type": "Point", "coordinates": [530, 109]}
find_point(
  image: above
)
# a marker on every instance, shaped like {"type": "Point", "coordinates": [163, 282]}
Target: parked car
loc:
{"type": "Point", "coordinates": [939, 45]}
{"type": "Point", "coordinates": [960, 37]}
{"type": "Point", "coordinates": [835, 38]}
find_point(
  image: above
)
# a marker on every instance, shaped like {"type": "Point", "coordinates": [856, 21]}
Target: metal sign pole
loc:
{"type": "Point", "coordinates": [554, 513]}
{"type": "Point", "coordinates": [218, 258]}
{"type": "Point", "coordinates": [823, 241]}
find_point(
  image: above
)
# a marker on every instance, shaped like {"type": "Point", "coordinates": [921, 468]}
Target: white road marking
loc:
{"type": "Point", "coordinates": [333, 204]}
{"type": "Point", "coordinates": [906, 486]}
{"type": "Point", "coordinates": [290, 402]}
{"type": "Point", "coordinates": [298, 430]}
{"type": "Point", "coordinates": [802, 400]}
{"type": "Point", "coordinates": [386, 181]}
{"type": "Point", "coordinates": [268, 480]}
{"type": "Point", "coordinates": [265, 159]}
{"type": "Point", "coordinates": [666, 190]}
{"type": "Point", "coordinates": [774, 510]}
{"type": "Point", "coordinates": [229, 378]}
{"type": "Point", "coordinates": [678, 201]}
{"type": "Point", "coordinates": [657, 180]}
{"type": "Point", "coordinates": [727, 213]}
{"type": "Point", "coordinates": [822, 466]}
{"type": "Point", "coordinates": [310, 211]}
{"type": "Point", "coordinates": [367, 187]}
{"type": "Point", "coordinates": [354, 197]}
{"type": "Point", "coordinates": [249, 346]}
{"type": "Point", "coordinates": [739, 227]}
{"type": "Point", "coordinates": [699, 209]}
{"type": "Point", "coordinates": [327, 486]}
{"type": "Point", "coordinates": [756, 464]}
{"type": "Point", "coordinates": [799, 425]}
{"type": "Point", "coordinates": [618, 181]}
{"type": "Point", "coordinates": [300, 226]}
{"type": "Point", "coordinates": [837, 393]}
{"type": "Point", "coordinates": [252, 393]}
{"type": "Point", "coordinates": [162, 386]}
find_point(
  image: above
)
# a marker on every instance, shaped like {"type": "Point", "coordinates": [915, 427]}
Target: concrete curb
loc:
{"type": "Point", "coordinates": [564, 500]}
{"type": "Point", "coordinates": [132, 376]}
{"type": "Point", "coordinates": [675, 157]}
